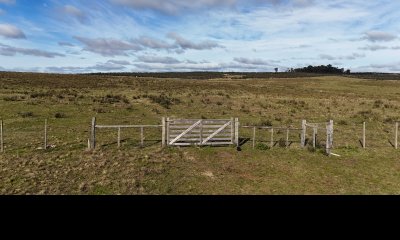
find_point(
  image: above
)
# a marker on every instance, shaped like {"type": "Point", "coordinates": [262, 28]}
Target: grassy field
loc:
{"type": "Point", "coordinates": [70, 101]}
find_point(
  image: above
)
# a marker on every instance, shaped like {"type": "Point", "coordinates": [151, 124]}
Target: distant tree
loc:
{"type": "Point", "coordinates": [276, 70]}
{"type": "Point", "coordinates": [321, 69]}
{"type": "Point", "coordinates": [348, 71]}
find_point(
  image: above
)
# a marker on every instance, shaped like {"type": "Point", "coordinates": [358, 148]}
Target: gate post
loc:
{"type": "Point", "coordinates": [167, 132]}
{"type": "Point", "coordinates": [237, 124]}
{"type": "Point", "coordinates": [163, 132]}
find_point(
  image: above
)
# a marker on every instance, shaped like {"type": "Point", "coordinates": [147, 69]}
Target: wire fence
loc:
{"type": "Point", "coordinates": [24, 135]}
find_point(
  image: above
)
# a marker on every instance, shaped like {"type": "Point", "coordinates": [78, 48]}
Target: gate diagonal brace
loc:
{"type": "Point", "coordinates": [216, 133]}
{"type": "Point", "coordinates": [185, 132]}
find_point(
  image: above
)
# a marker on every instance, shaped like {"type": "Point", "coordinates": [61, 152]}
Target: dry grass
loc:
{"type": "Point", "coordinates": [69, 102]}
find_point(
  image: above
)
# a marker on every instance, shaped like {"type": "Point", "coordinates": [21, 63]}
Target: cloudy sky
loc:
{"type": "Point", "coordinates": [73, 36]}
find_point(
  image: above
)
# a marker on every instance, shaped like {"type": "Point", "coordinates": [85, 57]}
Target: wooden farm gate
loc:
{"type": "Point", "coordinates": [202, 132]}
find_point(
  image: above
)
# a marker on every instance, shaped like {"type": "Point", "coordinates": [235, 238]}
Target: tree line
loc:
{"type": "Point", "coordinates": [329, 69]}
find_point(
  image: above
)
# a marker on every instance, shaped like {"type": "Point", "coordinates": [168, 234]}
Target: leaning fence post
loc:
{"type": "Point", "coordinates": [364, 128]}
{"type": "Point", "coordinates": [237, 124]}
{"type": "Point", "coordinates": [45, 134]}
{"type": "Point", "coordinates": [303, 132]}
{"type": "Point", "coordinates": [1, 137]}
{"type": "Point", "coordinates": [163, 132]}
{"type": "Point", "coordinates": [396, 135]}
{"type": "Point", "coordinates": [254, 137]}
{"type": "Point", "coordinates": [93, 134]}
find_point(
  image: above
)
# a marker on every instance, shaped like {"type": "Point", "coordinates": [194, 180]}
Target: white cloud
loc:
{"type": "Point", "coordinates": [108, 46]}
{"type": "Point", "coordinates": [7, 1]}
{"type": "Point", "coordinates": [6, 50]}
{"type": "Point", "coordinates": [379, 36]}
{"type": "Point", "coordinates": [187, 44]}
{"type": "Point", "coordinates": [155, 59]}
{"type": "Point", "coordinates": [11, 31]}
{"type": "Point", "coordinates": [74, 12]}
{"type": "Point", "coordinates": [174, 6]}
{"type": "Point", "coordinates": [374, 47]}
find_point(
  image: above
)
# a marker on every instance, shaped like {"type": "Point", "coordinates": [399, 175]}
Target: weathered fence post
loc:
{"type": "Point", "coordinates": [93, 134]}
{"type": "Point", "coordinates": [163, 132]}
{"type": "Point", "coordinates": [254, 137]}
{"type": "Point", "coordinates": [119, 137]}
{"type": "Point", "coordinates": [237, 124]}
{"type": "Point", "coordinates": [1, 137]}
{"type": "Point", "coordinates": [272, 137]}
{"type": "Point", "coordinates": [329, 137]}
{"type": "Point", "coordinates": [364, 128]}
{"type": "Point", "coordinates": [396, 131]}
{"type": "Point", "coordinates": [142, 137]}
{"type": "Point", "coordinates": [287, 137]}
{"type": "Point", "coordinates": [303, 133]}
{"type": "Point", "coordinates": [315, 137]}
{"type": "Point", "coordinates": [332, 135]}
{"type": "Point", "coordinates": [167, 133]}
{"type": "Point", "coordinates": [45, 134]}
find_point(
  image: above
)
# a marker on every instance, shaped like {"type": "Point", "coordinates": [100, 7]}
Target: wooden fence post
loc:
{"type": "Point", "coordinates": [287, 137]}
{"type": "Point", "coordinates": [1, 137]}
{"type": "Point", "coordinates": [142, 137]}
{"type": "Point", "coordinates": [45, 134]}
{"type": "Point", "coordinates": [329, 137]}
{"type": "Point", "coordinates": [396, 135]}
{"type": "Point", "coordinates": [303, 133]}
{"type": "Point", "coordinates": [93, 135]}
{"type": "Point", "coordinates": [272, 137]}
{"type": "Point", "coordinates": [364, 128]}
{"type": "Point", "coordinates": [119, 137]}
{"type": "Point", "coordinates": [163, 132]}
{"type": "Point", "coordinates": [237, 124]}
{"type": "Point", "coordinates": [315, 137]}
{"type": "Point", "coordinates": [167, 132]}
{"type": "Point", "coordinates": [332, 135]}
{"type": "Point", "coordinates": [254, 137]}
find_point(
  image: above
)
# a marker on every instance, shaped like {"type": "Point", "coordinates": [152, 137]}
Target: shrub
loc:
{"type": "Point", "coordinates": [60, 115]}
{"type": "Point", "coordinates": [12, 98]}
{"type": "Point", "coordinates": [265, 122]}
{"type": "Point", "coordinates": [99, 110]}
{"type": "Point", "coordinates": [163, 100]}
{"type": "Point", "coordinates": [26, 114]}
{"type": "Point", "coordinates": [110, 99]}
{"type": "Point", "coordinates": [282, 143]}
{"type": "Point", "coordinates": [378, 103]}
{"type": "Point", "coordinates": [262, 147]}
